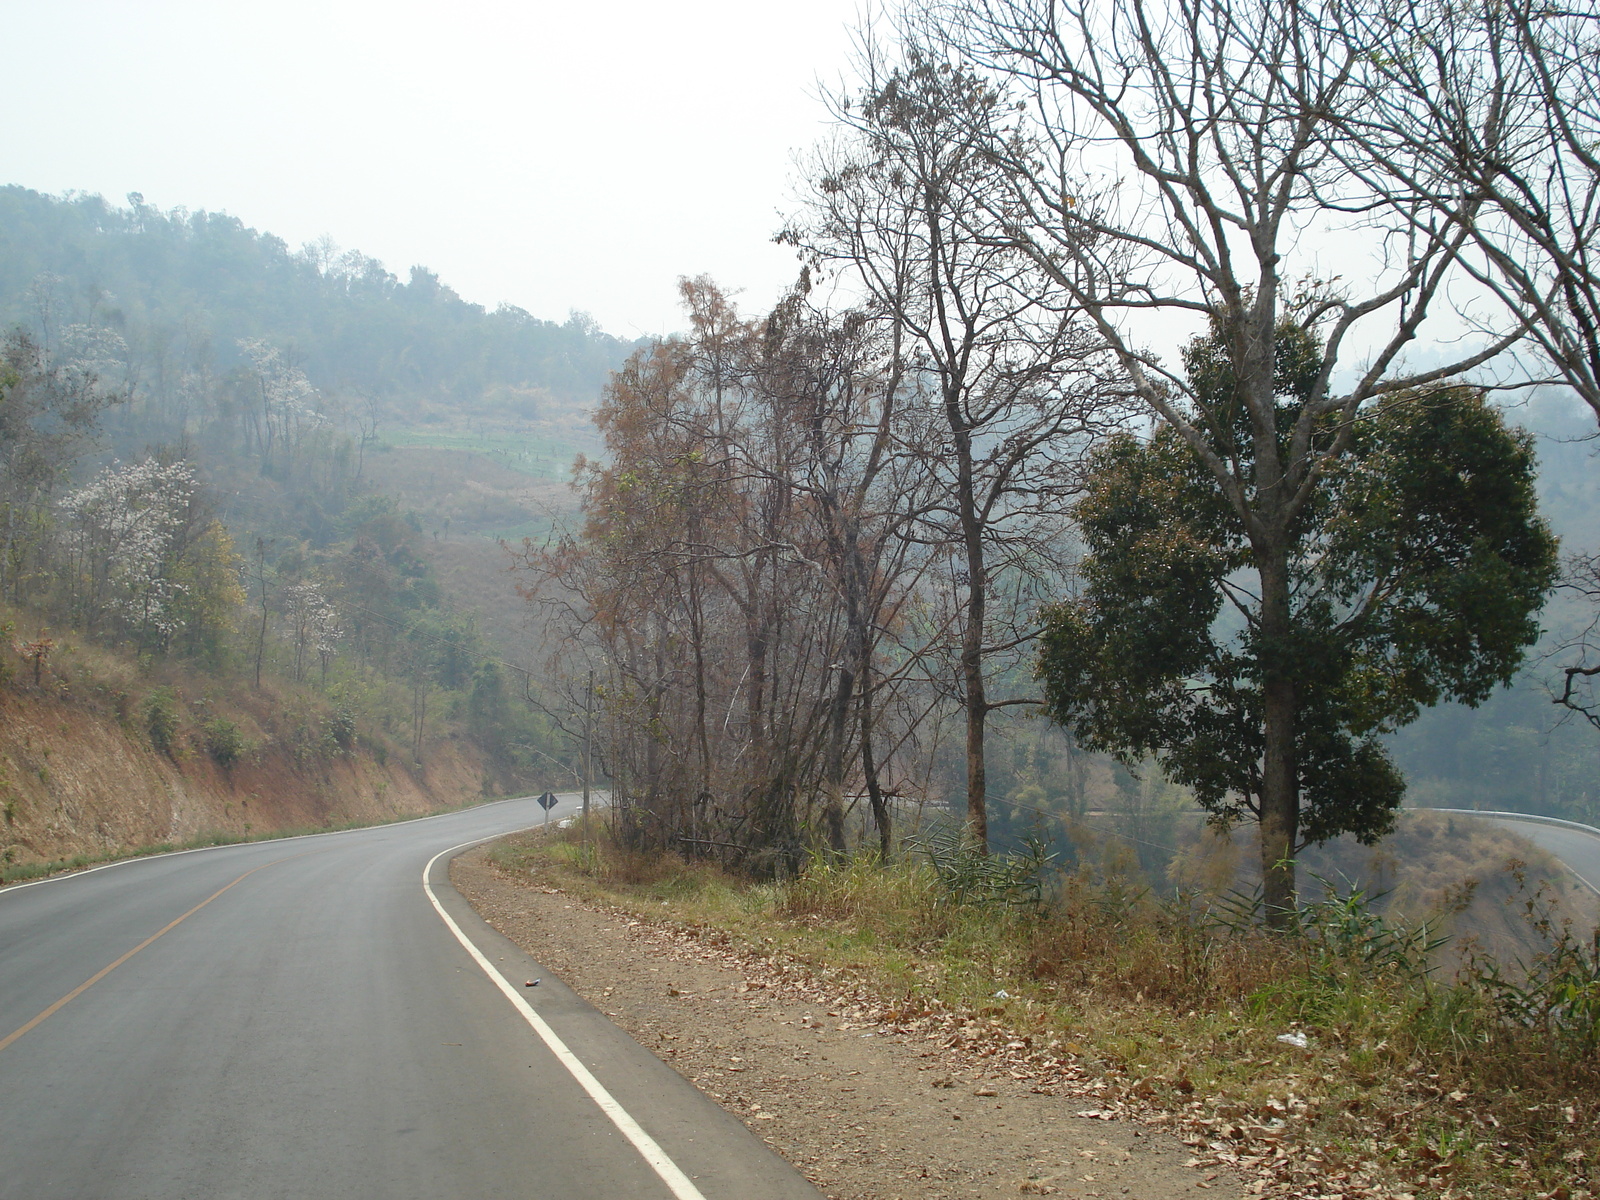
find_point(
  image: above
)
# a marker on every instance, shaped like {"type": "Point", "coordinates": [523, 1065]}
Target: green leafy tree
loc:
{"type": "Point", "coordinates": [48, 416]}
{"type": "Point", "coordinates": [1415, 573]}
{"type": "Point", "coordinates": [210, 592]}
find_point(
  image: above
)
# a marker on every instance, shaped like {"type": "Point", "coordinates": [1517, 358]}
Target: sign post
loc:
{"type": "Point", "coordinates": [547, 802]}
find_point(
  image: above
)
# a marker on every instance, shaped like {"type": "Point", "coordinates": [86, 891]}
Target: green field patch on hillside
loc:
{"type": "Point", "coordinates": [539, 458]}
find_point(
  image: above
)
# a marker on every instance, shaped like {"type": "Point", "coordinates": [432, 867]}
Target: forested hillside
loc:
{"type": "Point", "coordinates": [185, 291]}
{"type": "Point", "coordinates": [189, 479]}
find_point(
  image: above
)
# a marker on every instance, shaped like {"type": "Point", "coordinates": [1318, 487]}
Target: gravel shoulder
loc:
{"type": "Point", "coordinates": [868, 1103]}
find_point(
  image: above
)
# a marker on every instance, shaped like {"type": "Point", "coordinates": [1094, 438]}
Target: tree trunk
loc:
{"type": "Point", "coordinates": [1280, 781]}
{"type": "Point", "coordinates": [697, 635]}
{"type": "Point", "coordinates": [869, 768]}
{"type": "Point", "coordinates": [261, 638]}
{"type": "Point", "coordinates": [261, 578]}
{"type": "Point", "coordinates": [419, 712]}
{"type": "Point", "coordinates": [861, 655]}
{"type": "Point", "coordinates": [977, 696]}
{"type": "Point", "coordinates": [977, 773]}
{"type": "Point", "coordinates": [833, 797]}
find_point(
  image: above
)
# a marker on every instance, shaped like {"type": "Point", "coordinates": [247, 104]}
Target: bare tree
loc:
{"type": "Point", "coordinates": [1499, 105]}
{"type": "Point", "coordinates": [689, 583]}
{"type": "Point", "coordinates": [1491, 115]}
{"type": "Point", "coordinates": [907, 205]}
{"type": "Point", "coordinates": [259, 573]}
{"type": "Point", "coordinates": [1187, 163]}
{"type": "Point", "coordinates": [740, 565]}
{"type": "Point", "coordinates": [841, 381]}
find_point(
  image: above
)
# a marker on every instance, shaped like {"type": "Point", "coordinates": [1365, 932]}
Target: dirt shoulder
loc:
{"type": "Point", "coordinates": [867, 1103]}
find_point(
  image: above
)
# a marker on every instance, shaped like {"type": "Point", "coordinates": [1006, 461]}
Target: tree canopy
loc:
{"type": "Point", "coordinates": [1416, 574]}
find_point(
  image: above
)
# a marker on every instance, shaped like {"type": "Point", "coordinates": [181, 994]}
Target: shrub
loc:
{"type": "Point", "coordinates": [1555, 994]}
{"type": "Point", "coordinates": [341, 727]}
{"type": "Point", "coordinates": [161, 719]}
{"type": "Point", "coordinates": [968, 876]}
{"type": "Point", "coordinates": [224, 742]}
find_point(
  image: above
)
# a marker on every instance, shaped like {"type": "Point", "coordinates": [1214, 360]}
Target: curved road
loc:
{"type": "Point", "coordinates": [299, 1019]}
{"type": "Point", "coordinates": [1577, 848]}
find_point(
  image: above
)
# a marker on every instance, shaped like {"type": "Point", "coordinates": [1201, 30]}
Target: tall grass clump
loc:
{"type": "Point", "coordinates": [590, 861]}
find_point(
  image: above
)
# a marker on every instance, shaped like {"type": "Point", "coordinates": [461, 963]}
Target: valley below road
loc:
{"type": "Point", "coordinates": [1576, 846]}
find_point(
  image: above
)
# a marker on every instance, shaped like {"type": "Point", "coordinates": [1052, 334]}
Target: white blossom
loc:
{"type": "Point", "coordinates": [93, 350]}
{"type": "Point", "coordinates": [312, 624]}
{"type": "Point", "coordinates": [286, 393]}
{"type": "Point", "coordinates": [120, 531]}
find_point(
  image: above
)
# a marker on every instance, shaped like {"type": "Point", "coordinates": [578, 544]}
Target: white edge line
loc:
{"type": "Point", "coordinates": [294, 837]}
{"type": "Point", "coordinates": [648, 1148]}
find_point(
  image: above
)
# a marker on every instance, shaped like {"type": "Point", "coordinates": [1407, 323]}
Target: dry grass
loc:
{"type": "Point", "coordinates": [1442, 1086]}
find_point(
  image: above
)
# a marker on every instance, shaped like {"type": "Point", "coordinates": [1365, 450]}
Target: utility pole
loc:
{"type": "Point", "coordinates": [588, 734]}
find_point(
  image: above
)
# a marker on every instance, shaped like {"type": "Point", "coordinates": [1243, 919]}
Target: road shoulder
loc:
{"type": "Point", "coordinates": [864, 1106]}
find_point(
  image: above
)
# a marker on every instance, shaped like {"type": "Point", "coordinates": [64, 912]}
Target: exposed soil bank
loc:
{"type": "Point", "coordinates": [76, 781]}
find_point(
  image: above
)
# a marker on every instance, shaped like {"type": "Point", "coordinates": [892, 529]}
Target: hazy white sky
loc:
{"type": "Point", "coordinates": [558, 157]}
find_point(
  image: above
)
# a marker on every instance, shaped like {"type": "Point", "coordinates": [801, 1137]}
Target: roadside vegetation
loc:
{"type": "Point", "coordinates": [1364, 1048]}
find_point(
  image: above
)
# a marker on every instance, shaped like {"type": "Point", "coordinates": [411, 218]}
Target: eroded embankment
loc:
{"type": "Point", "coordinates": [79, 782]}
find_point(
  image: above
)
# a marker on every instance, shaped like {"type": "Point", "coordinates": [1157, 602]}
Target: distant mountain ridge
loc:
{"type": "Point", "coordinates": [184, 288]}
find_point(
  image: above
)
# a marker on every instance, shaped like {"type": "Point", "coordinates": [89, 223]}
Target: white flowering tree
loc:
{"type": "Point", "coordinates": [311, 625]}
{"type": "Point", "coordinates": [284, 405]}
{"type": "Point", "coordinates": [97, 354]}
{"type": "Point", "coordinates": [122, 539]}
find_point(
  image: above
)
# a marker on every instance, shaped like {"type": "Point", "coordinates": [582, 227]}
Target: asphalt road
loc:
{"type": "Point", "coordinates": [298, 1019]}
{"type": "Point", "coordinates": [1577, 848]}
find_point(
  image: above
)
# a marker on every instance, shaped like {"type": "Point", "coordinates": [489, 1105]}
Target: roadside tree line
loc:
{"type": "Point", "coordinates": [1168, 332]}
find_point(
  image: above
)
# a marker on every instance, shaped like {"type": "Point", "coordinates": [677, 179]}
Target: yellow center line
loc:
{"type": "Point", "coordinates": [104, 971]}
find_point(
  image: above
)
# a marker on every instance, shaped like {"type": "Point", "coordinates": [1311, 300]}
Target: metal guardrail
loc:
{"type": "Point", "coordinates": [1513, 816]}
